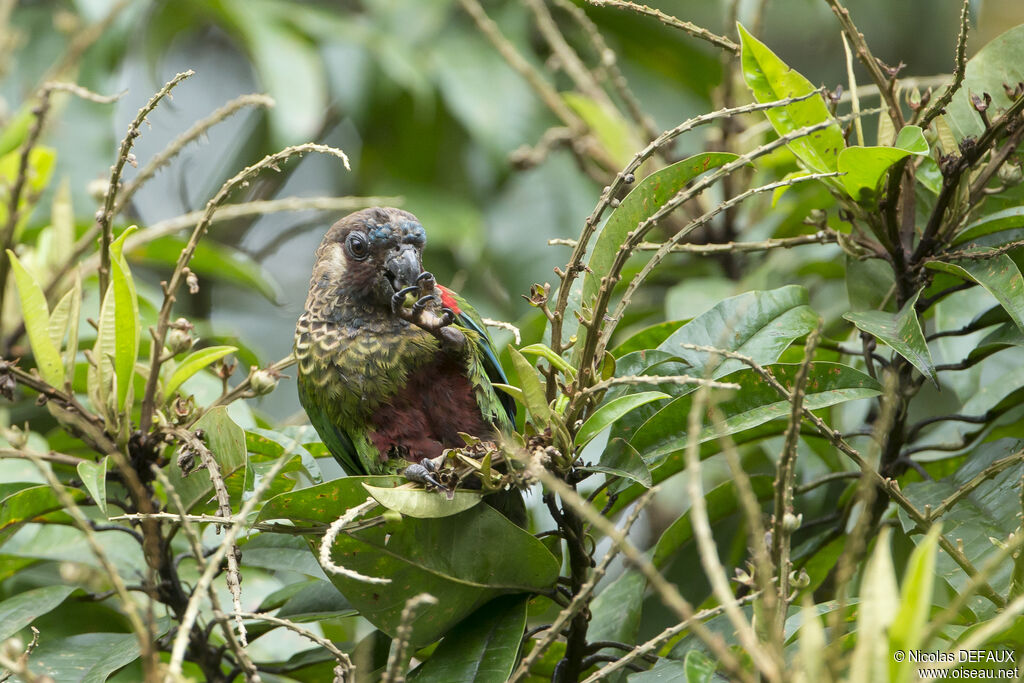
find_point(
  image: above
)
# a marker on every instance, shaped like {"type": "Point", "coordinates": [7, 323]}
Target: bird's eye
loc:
{"type": "Point", "coordinates": [357, 246]}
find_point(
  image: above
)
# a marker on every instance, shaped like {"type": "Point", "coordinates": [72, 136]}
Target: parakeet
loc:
{"type": "Point", "coordinates": [385, 382]}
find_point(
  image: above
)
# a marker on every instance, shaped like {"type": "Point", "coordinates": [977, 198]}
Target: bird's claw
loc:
{"type": "Point", "coordinates": [398, 298]}
{"type": "Point", "coordinates": [424, 313]}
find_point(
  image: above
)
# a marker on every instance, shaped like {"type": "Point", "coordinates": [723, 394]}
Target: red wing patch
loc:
{"type": "Point", "coordinates": [448, 301]}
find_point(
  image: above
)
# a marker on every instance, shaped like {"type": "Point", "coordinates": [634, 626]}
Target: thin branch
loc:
{"type": "Point", "coordinates": [202, 586]}
{"type": "Point", "coordinates": [252, 674]}
{"type": "Point", "coordinates": [52, 456]}
{"type": "Point", "coordinates": [959, 69]}
{"type": "Point", "coordinates": [623, 178]}
{"type": "Point", "coordinates": [668, 20]}
{"type": "Point", "coordinates": [825, 479]}
{"type": "Point", "coordinates": [767, 666]}
{"type": "Point", "coordinates": [889, 486]}
{"type": "Point", "coordinates": [869, 61]}
{"type": "Point", "coordinates": [197, 129]}
{"type": "Point", "coordinates": [668, 592]}
{"type": "Point", "coordinates": [658, 379]}
{"type": "Point", "coordinates": [580, 600]}
{"type": "Point", "coordinates": [654, 643]}
{"type": "Point", "coordinates": [163, 320]}
{"type": "Point", "coordinates": [976, 481]}
{"type": "Point", "coordinates": [106, 214]}
{"type": "Point", "coordinates": [342, 671]}
{"type": "Point", "coordinates": [820, 237]}
{"type": "Point", "coordinates": [327, 542]}
{"type": "Point", "coordinates": [398, 660]}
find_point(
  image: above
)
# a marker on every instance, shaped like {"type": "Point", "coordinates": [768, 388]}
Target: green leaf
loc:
{"type": "Point", "coordinates": [878, 594]}
{"type": "Point", "coordinates": [464, 560]}
{"type": "Point", "coordinates": [211, 260]}
{"type": "Point", "coordinates": [642, 202]}
{"type": "Point", "coordinates": [769, 79]}
{"type": "Point", "coordinates": [647, 338]}
{"type": "Point", "coordinates": [423, 504]}
{"type": "Point", "coordinates": [990, 511]}
{"type": "Point", "coordinates": [193, 363]}
{"type": "Point", "coordinates": [915, 605]}
{"type": "Point", "coordinates": [94, 477]}
{"type": "Point", "coordinates": [88, 657]}
{"type": "Point", "coordinates": [619, 459]}
{"type": "Point", "coordinates": [757, 324]}
{"type": "Point", "coordinates": [870, 285]}
{"type": "Point", "coordinates": [1007, 219]}
{"type": "Point", "coordinates": [547, 353]}
{"type": "Point", "coordinates": [998, 62]}
{"type": "Point", "coordinates": [613, 132]}
{"type": "Point", "coordinates": [902, 331]}
{"type": "Point", "coordinates": [31, 504]}
{"type": "Point", "coordinates": [100, 373]}
{"type": "Point", "coordinates": [37, 324]}
{"type": "Point", "coordinates": [533, 391]}
{"type": "Point", "coordinates": [721, 501]}
{"type": "Point", "coordinates": [483, 648]}
{"type": "Point", "coordinates": [127, 325]}
{"type": "Point", "coordinates": [611, 411]}
{"type": "Point", "coordinates": [616, 611]}
{"type": "Point", "coordinates": [866, 166]}
{"type": "Point", "coordinates": [1000, 276]}
{"type": "Point", "coordinates": [19, 611]}
{"type": "Point", "coordinates": [663, 437]}
{"type": "Point", "coordinates": [226, 442]}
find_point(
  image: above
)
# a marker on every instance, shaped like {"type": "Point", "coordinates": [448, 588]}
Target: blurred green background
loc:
{"type": "Point", "coordinates": [424, 106]}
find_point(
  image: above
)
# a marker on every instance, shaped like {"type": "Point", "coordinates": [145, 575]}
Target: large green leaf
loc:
{"type": "Point", "coordinates": [1000, 61]}
{"type": "Point", "coordinates": [902, 331]}
{"type": "Point", "coordinates": [1000, 276]}
{"type": "Point", "coordinates": [483, 648]}
{"type": "Point", "coordinates": [619, 459]}
{"type": "Point", "coordinates": [757, 324]}
{"type": "Point", "coordinates": [226, 442]}
{"type": "Point", "coordinates": [463, 560]}
{"type": "Point", "coordinates": [990, 512]}
{"type": "Point", "coordinates": [662, 438]}
{"type": "Point", "coordinates": [19, 611]}
{"type": "Point", "coordinates": [37, 324]}
{"type": "Point", "coordinates": [864, 167]}
{"type": "Point", "coordinates": [769, 78]}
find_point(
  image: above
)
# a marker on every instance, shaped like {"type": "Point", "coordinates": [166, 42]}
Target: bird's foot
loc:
{"type": "Point", "coordinates": [427, 313]}
{"type": "Point", "coordinates": [425, 473]}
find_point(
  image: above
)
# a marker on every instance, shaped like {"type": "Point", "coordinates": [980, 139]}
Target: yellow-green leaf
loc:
{"type": "Point", "coordinates": [193, 363]}
{"type": "Point", "coordinates": [126, 319]}
{"type": "Point", "coordinates": [37, 323]}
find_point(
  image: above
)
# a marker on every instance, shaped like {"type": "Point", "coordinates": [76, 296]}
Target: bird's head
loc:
{"type": "Point", "coordinates": [369, 255]}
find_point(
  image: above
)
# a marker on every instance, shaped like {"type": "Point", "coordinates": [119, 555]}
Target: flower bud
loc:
{"type": "Point", "coordinates": [264, 381]}
{"type": "Point", "coordinates": [179, 337]}
{"type": "Point", "coordinates": [1010, 174]}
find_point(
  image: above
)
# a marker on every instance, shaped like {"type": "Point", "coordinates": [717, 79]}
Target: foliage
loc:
{"type": "Point", "coordinates": [819, 428]}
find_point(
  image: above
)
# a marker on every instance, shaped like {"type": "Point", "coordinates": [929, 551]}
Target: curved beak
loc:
{"type": "Point", "coordinates": [404, 266]}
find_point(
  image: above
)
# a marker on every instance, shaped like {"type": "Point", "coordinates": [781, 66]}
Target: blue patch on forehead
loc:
{"type": "Point", "coordinates": [412, 232]}
{"type": "Point", "coordinates": [380, 233]}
